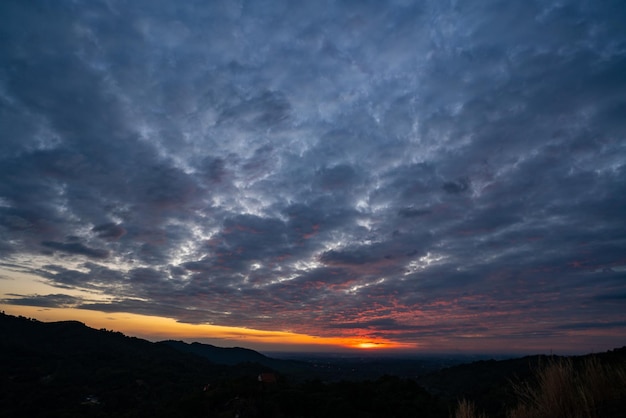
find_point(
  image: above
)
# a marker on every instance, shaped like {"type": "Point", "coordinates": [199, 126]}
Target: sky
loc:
{"type": "Point", "coordinates": [425, 175]}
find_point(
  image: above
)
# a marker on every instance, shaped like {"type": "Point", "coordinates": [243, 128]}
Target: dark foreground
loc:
{"type": "Point", "coordinates": [67, 369]}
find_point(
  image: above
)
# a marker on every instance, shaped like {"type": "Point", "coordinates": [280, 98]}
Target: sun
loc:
{"type": "Point", "coordinates": [375, 344]}
{"type": "Point", "coordinates": [368, 345]}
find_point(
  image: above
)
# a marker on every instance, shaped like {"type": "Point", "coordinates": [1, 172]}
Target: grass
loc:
{"type": "Point", "coordinates": [562, 389]}
{"type": "Point", "coordinates": [467, 409]}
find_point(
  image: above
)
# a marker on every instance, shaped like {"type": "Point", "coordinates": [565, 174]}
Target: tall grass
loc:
{"type": "Point", "coordinates": [562, 390]}
{"type": "Point", "coordinates": [467, 409]}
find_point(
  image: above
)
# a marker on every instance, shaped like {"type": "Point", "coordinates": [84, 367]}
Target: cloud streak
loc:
{"type": "Point", "coordinates": [416, 171]}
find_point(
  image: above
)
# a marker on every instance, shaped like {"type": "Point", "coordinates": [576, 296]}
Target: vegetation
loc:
{"type": "Point", "coordinates": [564, 389]}
{"type": "Point", "coordinates": [467, 409]}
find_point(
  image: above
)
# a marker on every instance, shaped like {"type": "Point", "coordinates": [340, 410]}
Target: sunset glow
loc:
{"type": "Point", "coordinates": [369, 345]}
{"type": "Point", "coordinates": [158, 328]}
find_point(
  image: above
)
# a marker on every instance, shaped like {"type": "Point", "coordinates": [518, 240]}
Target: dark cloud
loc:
{"type": "Point", "coordinates": [413, 212]}
{"type": "Point", "coordinates": [136, 306]}
{"type": "Point", "coordinates": [76, 248]}
{"type": "Point", "coordinates": [355, 257]}
{"type": "Point", "coordinates": [43, 301]}
{"type": "Point", "coordinates": [458, 186]}
{"type": "Point", "coordinates": [266, 110]}
{"type": "Point", "coordinates": [594, 325]}
{"type": "Point", "coordinates": [109, 231]}
{"type": "Point", "coordinates": [612, 297]}
{"type": "Point", "coordinates": [338, 177]}
{"type": "Point", "coordinates": [409, 170]}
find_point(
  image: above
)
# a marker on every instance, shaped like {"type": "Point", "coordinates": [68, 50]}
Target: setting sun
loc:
{"type": "Point", "coordinates": [368, 345]}
{"type": "Point", "coordinates": [361, 343]}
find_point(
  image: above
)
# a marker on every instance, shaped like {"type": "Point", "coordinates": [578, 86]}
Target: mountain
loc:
{"type": "Point", "coordinates": [73, 370]}
{"type": "Point", "coordinates": [297, 371]}
{"type": "Point", "coordinates": [221, 355]}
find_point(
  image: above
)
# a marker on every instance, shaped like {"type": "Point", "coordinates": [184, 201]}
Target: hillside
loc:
{"type": "Point", "coordinates": [220, 355]}
{"type": "Point", "coordinates": [75, 370]}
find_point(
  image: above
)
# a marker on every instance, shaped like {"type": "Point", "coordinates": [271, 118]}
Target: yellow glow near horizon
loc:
{"type": "Point", "coordinates": [383, 344]}
{"type": "Point", "coordinates": [368, 345]}
{"type": "Point", "coordinates": [159, 328]}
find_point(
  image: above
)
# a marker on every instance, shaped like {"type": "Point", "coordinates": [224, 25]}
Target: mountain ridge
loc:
{"type": "Point", "coordinates": [74, 370]}
{"type": "Point", "coordinates": [221, 355]}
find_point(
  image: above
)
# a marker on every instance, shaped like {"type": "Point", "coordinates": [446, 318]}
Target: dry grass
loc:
{"type": "Point", "coordinates": [561, 390]}
{"type": "Point", "coordinates": [467, 409]}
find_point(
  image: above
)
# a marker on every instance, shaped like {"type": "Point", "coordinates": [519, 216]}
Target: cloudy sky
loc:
{"type": "Point", "coordinates": [433, 175]}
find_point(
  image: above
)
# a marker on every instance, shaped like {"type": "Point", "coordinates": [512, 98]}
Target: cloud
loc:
{"type": "Point", "coordinates": [109, 231]}
{"type": "Point", "coordinates": [594, 325]}
{"type": "Point", "coordinates": [611, 297]}
{"type": "Point", "coordinates": [76, 248]}
{"type": "Point", "coordinates": [44, 301]}
{"type": "Point", "coordinates": [405, 169]}
{"type": "Point", "coordinates": [413, 212]}
{"type": "Point", "coordinates": [454, 187]}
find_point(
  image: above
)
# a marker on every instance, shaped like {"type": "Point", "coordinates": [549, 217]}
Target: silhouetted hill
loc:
{"type": "Point", "coordinates": [296, 370]}
{"type": "Point", "coordinates": [220, 355]}
{"type": "Point", "coordinates": [69, 369]}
